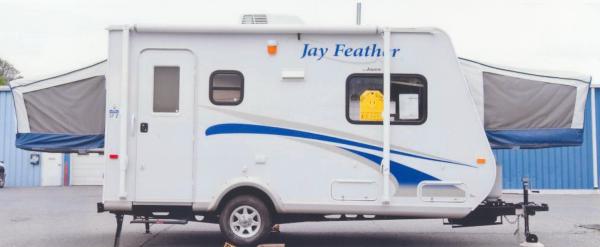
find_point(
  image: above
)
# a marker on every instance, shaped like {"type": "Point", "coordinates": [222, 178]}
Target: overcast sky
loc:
{"type": "Point", "coordinates": [42, 37]}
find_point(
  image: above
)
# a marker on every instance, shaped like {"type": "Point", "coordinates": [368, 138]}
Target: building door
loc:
{"type": "Point", "coordinates": [165, 126]}
{"type": "Point", "coordinates": [51, 169]}
{"type": "Point", "coordinates": [87, 169]}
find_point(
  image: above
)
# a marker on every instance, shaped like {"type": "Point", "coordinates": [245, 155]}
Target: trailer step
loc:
{"type": "Point", "coordinates": [260, 245]}
{"type": "Point", "coordinates": [159, 221]}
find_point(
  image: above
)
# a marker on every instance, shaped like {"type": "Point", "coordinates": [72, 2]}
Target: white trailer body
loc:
{"type": "Point", "coordinates": [290, 134]}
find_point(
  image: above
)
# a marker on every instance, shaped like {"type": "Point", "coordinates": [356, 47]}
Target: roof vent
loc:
{"type": "Point", "coordinates": [271, 19]}
{"type": "Point", "coordinates": [254, 19]}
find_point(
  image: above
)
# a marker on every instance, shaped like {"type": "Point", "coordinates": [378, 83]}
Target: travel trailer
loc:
{"type": "Point", "coordinates": [255, 125]}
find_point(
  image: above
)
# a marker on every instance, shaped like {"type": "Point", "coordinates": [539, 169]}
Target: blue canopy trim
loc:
{"type": "Point", "coordinates": [48, 142]}
{"type": "Point", "coordinates": [535, 138]}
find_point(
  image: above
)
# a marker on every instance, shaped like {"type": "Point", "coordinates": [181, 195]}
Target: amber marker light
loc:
{"type": "Point", "coordinates": [272, 47]}
{"type": "Point", "coordinates": [481, 161]}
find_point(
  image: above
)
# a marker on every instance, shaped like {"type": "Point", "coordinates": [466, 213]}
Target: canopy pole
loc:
{"type": "Point", "coordinates": [123, 161]}
{"type": "Point", "coordinates": [385, 162]}
{"type": "Point", "coordinates": [594, 139]}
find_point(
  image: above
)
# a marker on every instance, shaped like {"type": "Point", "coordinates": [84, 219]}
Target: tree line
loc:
{"type": "Point", "coordinates": [8, 72]}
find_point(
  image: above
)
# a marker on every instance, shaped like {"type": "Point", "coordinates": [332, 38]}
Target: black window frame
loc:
{"type": "Point", "coordinates": [211, 87]}
{"type": "Point", "coordinates": [423, 108]}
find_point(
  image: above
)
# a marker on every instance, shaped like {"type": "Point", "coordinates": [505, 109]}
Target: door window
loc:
{"type": "Point", "coordinates": [166, 89]}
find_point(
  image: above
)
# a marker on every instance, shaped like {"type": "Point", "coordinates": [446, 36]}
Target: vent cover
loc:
{"type": "Point", "coordinates": [254, 19]}
{"type": "Point", "coordinates": [271, 19]}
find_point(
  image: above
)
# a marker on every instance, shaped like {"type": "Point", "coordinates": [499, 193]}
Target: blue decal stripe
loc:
{"type": "Point", "coordinates": [402, 173]}
{"type": "Point", "coordinates": [427, 158]}
{"type": "Point", "coordinates": [235, 128]}
{"type": "Point", "coordinates": [268, 130]}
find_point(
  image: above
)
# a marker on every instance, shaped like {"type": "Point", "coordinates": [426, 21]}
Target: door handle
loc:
{"type": "Point", "coordinates": [144, 127]}
{"type": "Point", "coordinates": [132, 125]}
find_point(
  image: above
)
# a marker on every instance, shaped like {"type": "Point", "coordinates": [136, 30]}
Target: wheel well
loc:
{"type": "Point", "coordinates": [247, 190]}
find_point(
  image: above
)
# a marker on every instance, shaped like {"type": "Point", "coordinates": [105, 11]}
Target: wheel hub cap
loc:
{"type": "Point", "coordinates": [245, 221]}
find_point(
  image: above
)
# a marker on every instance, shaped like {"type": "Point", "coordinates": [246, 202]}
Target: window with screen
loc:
{"type": "Point", "coordinates": [166, 89]}
{"type": "Point", "coordinates": [364, 99]}
{"type": "Point", "coordinates": [226, 87]}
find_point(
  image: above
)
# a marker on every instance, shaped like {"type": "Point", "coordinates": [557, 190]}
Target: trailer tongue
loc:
{"type": "Point", "coordinates": [492, 212]}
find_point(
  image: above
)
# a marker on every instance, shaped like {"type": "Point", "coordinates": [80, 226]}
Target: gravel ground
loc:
{"type": "Point", "coordinates": [66, 216]}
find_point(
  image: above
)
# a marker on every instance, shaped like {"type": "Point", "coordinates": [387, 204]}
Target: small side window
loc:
{"type": "Point", "coordinates": [364, 99]}
{"type": "Point", "coordinates": [226, 87]}
{"type": "Point", "coordinates": [166, 89]}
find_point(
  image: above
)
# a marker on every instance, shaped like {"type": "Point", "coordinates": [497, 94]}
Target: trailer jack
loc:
{"type": "Point", "coordinates": [488, 213]}
{"type": "Point", "coordinates": [530, 238]}
{"type": "Point", "coordinates": [119, 218]}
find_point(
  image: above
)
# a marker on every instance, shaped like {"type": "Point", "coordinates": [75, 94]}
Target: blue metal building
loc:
{"type": "Point", "coordinates": [20, 173]}
{"type": "Point", "coordinates": [552, 168]}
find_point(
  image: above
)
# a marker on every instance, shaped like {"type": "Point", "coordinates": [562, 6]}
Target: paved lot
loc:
{"type": "Point", "coordinates": [65, 216]}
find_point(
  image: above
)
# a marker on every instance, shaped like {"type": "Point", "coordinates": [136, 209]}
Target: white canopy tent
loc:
{"type": "Point", "coordinates": [528, 109]}
{"type": "Point", "coordinates": [63, 113]}
{"type": "Point", "coordinates": [519, 108]}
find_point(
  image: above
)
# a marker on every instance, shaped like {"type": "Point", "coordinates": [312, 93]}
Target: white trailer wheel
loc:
{"type": "Point", "coordinates": [245, 220]}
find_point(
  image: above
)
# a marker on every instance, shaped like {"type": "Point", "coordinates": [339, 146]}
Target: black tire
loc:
{"type": "Point", "coordinates": [1, 182]}
{"type": "Point", "coordinates": [233, 231]}
{"type": "Point", "coordinates": [531, 238]}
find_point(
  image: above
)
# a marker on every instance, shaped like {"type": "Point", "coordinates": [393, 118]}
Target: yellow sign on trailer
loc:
{"type": "Point", "coordinates": [371, 105]}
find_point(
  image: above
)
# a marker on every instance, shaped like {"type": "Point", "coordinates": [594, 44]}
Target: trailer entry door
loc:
{"type": "Point", "coordinates": [165, 126]}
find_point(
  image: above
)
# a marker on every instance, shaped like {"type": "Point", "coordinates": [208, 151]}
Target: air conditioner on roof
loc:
{"type": "Point", "coordinates": [271, 19]}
